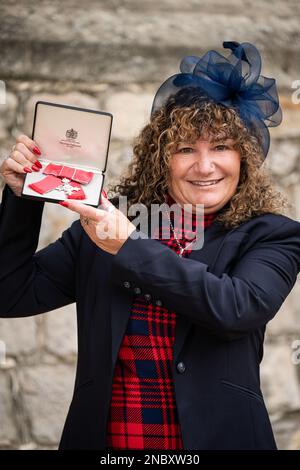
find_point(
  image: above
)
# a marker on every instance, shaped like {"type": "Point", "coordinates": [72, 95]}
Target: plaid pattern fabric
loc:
{"type": "Point", "coordinates": [143, 413]}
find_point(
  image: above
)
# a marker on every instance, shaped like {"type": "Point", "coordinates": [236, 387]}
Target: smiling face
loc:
{"type": "Point", "coordinates": [204, 172]}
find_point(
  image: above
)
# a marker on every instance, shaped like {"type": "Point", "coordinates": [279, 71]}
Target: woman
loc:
{"type": "Point", "coordinates": [169, 337]}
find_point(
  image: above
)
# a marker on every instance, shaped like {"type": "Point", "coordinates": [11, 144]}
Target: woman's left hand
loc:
{"type": "Point", "coordinates": [106, 226]}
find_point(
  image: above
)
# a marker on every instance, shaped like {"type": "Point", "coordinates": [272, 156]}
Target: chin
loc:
{"type": "Point", "coordinates": [207, 202]}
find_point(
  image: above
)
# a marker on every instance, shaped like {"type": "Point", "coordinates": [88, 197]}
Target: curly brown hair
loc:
{"type": "Point", "coordinates": [147, 178]}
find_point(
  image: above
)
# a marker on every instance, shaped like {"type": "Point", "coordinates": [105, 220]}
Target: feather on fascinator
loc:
{"type": "Point", "coordinates": [232, 81]}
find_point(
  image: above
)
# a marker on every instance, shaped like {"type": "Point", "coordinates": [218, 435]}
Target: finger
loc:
{"type": "Point", "coordinates": [28, 166]}
{"type": "Point", "coordinates": [82, 209]}
{"type": "Point", "coordinates": [28, 155]}
{"type": "Point", "coordinates": [13, 165]}
{"type": "Point", "coordinates": [105, 204]}
{"type": "Point", "coordinates": [19, 157]}
{"type": "Point", "coordinates": [30, 144]}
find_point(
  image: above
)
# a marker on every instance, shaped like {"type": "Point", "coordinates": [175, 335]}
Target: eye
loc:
{"type": "Point", "coordinates": [185, 150]}
{"type": "Point", "coordinates": [221, 147]}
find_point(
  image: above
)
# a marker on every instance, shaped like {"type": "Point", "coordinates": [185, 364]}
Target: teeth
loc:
{"type": "Point", "coordinates": [199, 183]}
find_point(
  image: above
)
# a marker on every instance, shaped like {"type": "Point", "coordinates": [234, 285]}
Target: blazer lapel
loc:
{"type": "Point", "coordinates": [208, 254]}
{"type": "Point", "coordinates": [121, 301]}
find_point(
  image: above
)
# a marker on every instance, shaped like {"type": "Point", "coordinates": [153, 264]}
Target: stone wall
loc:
{"type": "Point", "coordinates": [112, 55]}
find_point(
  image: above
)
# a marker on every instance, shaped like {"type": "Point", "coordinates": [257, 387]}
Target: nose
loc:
{"type": "Point", "coordinates": [204, 163]}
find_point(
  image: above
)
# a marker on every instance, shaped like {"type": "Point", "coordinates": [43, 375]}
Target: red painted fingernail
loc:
{"type": "Point", "coordinates": [28, 170]}
{"type": "Point", "coordinates": [38, 164]}
{"type": "Point", "coordinates": [104, 192]}
{"type": "Point", "coordinates": [35, 168]}
{"type": "Point", "coordinates": [64, 203]}
{"type": "Point", "coordinates": [36, 150]}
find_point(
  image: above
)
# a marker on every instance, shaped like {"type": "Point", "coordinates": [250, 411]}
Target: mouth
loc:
{"type": "Point", "coordinates": [205, 184]}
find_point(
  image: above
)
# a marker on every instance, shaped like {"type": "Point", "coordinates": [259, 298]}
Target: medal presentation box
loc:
{"type": "Point", "coordinates": [74, 144]}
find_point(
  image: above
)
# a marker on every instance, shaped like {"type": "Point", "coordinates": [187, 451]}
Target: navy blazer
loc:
{"type": "Point", "coordinates": [224, 295]}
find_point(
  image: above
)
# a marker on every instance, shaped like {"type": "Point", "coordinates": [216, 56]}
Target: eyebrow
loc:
{"type": "Point", "coordinates": [227, 140]}
{"type": "Point", "coordinates": [186, 143]}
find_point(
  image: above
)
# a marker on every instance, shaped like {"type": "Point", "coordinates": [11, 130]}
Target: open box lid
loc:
{"type": "Point", "coordinates": [72, 135]}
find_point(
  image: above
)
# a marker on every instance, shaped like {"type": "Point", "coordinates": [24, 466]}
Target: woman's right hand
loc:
{"type": "Point", "coordinates": [22, 160]}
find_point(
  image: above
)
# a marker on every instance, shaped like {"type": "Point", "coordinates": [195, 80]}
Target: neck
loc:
{"type": "Point", "coordinates": [170, 201]}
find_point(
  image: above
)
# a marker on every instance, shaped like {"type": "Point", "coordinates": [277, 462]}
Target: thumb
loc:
{"type": "Point", "coordinates": [105, 204]}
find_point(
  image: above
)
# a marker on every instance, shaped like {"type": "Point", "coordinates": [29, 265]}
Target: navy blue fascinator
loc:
{"type": "Point", "coordinates": [232, 81]}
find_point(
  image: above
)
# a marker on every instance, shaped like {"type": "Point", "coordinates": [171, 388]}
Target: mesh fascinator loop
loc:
{"type": "Point", "coordinates": [232, 81]}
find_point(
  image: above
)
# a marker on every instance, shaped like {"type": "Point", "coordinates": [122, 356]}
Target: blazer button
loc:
{"type": "Point", "coordinates": [147, 297]}
{"type": "Point", "coordinates": [127, 284]}
{"type": "Point", "coordinates": [158, 303]}
{"type": "Point", "coordinates": [181, 367]}
{"type": "Point", "coordinates": [137, 290]}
